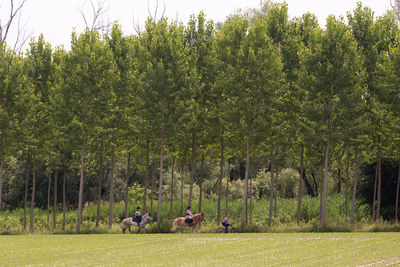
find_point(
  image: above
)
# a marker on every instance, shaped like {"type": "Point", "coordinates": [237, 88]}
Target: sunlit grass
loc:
{"type": "Point", "coordinates": [290, 249]}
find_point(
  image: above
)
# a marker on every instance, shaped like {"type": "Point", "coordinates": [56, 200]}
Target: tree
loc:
{"type": "Point", "coordinates": [331, 70]}
{"type": "Point", "coordinates": [253, 74]}
{"type": "Point", "coordinates": [88, 72]}
{"type": "Point", "coordinates": [165, 73]}
{"type": "Point", "coordinates": [39, 70]}
{"type": "Point", "coordinates": [12, 95]}
{"type": "Point", "coordinates": [373, 38]}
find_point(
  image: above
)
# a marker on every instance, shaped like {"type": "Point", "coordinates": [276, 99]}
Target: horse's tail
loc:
{"type": "Point", "coordinates": [174, 225]}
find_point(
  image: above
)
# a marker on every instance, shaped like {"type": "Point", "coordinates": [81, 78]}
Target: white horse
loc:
{"type": "Point", "coordinates": [127, 222]}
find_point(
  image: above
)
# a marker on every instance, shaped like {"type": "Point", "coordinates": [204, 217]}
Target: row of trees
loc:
{"type": "Point", "coordinates": [257, 86]}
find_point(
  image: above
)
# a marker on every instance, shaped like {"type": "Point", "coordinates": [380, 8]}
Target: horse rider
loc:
{"type": "Point", "coordinates": [189, 216]}
{"type": "Point", "coordinates": [226, 222]}
{"type": "Point", "coordinates": [138, 216]}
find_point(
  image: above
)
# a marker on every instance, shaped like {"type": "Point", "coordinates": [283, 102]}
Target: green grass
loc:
{"type": "Point", "coordinates": [290, 249]}
{"type": "Point", "coordinates": [11, 222]}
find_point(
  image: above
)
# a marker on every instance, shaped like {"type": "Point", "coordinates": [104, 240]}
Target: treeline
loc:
{"type": "Point", "coordinates": [259, 87]}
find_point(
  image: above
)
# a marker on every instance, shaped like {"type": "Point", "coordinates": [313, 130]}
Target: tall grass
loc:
{"type": "Point", "coordinates": [286, 215]}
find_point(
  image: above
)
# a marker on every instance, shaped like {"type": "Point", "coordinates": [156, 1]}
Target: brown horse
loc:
{"type": "Point", "coordinates": [178, 222]}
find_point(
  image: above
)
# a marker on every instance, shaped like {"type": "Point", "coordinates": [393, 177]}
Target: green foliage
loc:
{"type": "Point", "coordinates": [136, 193]}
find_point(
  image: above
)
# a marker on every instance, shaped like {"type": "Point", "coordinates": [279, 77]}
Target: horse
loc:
{"type": "Point", "coordinates": [127, 222]}
{"type": "Point", "coordinates": [180, 221]}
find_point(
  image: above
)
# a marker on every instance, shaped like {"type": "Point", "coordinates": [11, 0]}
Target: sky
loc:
{"type": "Point", "coordinates": [56, 19]}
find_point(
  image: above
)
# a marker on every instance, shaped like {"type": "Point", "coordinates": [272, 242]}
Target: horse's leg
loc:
{"type": "Point", "coordinates": [130, 229]}
{"type": "Point", "coordinates": [123, 229]}
{"type": "Point", "coordinates": [138, 230]}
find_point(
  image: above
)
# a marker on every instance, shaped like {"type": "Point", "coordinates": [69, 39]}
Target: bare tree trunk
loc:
{"type": "Point", "coordinates": [246, 178]}
{"type": "Point", "coordinates": [127, 185]}
{"type": "Point", "coordinates": [111, 211]}
{"type": "Point", "coordinates": [353, 200]}
{"type": "Point", "coordinates": [374, 200]}
{"type": "Point", "coordinates": [323, 219]}
{"type": "Point", "coordinates": [182, 178]}
{"type": "Point", "coordinates": [101, 168]}
{"type": "Point", "coordinates": [397, 195]}
{"type": "Point", "coordinates": [26, 188]}
{"type": "Point", "coordinates": [346, 193]}
{"type": "Point", "coordinates": [275, 190]}
{"type": "Point", "coordinates": [227, 190]}
{"type": "Point", "coordinates": [221, 174]}
{"type": "Point", "coordinates": [33, 191]}
{"type": "Point", "coordinates": [172, 188]}
{"type": "Point", "coordinates": [271, 190]}
{"type": "Point", "coordinates": [378, 198]}
{"type": "Point", "coordinates": [193, 168]}
{"type": "Point", "coordinates": [339, 185]}
{"type": "Point", "coordinates": [146, 176]}
{"type": "Point", "coordinates": [48, 196]}
{"type": "Point", "coordinates": [300, 194]}
{"type": "Point", "coordinates": [161, 164]}
{"type": "Point", "coordinates": [1, 170]}
{"type": "Point", "coordinates": [80, 201]}
{"type": "Point", "coordinates": [320, 192]}
{"type": "Point", "coordinates": [251, 200]}
{"type": "Point", "coordinates": [153, 173]}
{"type": "Point", "coordinates": [201, 183]}
{"type": "Point", "coordinates": [64, 202]}
{"type": "Point", "coordinates": [55, 199]}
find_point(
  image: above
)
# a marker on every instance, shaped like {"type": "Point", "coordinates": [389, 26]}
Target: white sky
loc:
{"type": "Point", "coordinates": [57, 18]}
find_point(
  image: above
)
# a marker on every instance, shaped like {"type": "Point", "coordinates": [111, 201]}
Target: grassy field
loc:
{"type": "Point", "coordinates": [292, 249]}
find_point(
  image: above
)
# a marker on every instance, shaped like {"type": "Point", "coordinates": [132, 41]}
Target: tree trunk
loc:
{"type": "Point", "coordinates": [101, 169]}
{"type": "Point", "coordinates": [300, 194]}
{"type": "Point", "coordinates": [374, 199]}
{"type": "Point", "coordinates": [271, 190]}
{"type": "Point", "coordinates": [127, 185]}
{"type": "Point", "coordinates": [55, 199]}
{"type": "Point", "coordinates": [397, 195]}
{"type": "Point", "coordinates": [161, 164]}
{"type": "Point", "coordinates": [378, 197]}
{"type": "Point", "coordinates": [182, 178]}
{"type": "Point", "coordinates": [227, 190]}
{"type": "Point", "coordinates": [33, 191]}
{"type": "Point", "coordinates": [201, 183]}
{"type": "Point", "coordinates": [339, 185]}
{"type": "Point", "coordinates": [1, 170]}
{"type": "Point", "coordinates": [153, 173]}
{"type": "Point", "coordinates": [64, 202]}
{"type": "Point", "coordinates": [172, 188]}
{"type": "Point", "coordinates": [80, 201]}
{"type": "Point", "coordinates": [48, 196]}
{"type": "Point", "coordinates": [221, 174]}
{"type": "Point", "coordinates": [146, 176]}
{"type": "Point", "coordinates": [323, 219]}
{"type": "Point", "coordinates": [246, 177]}
{"type": "Point", "coordinates": [251, 200]}
{"type": "Point", "coordinates": [353, 200]}
{"type": "Point", "coordinates": [320, 192]}
{"type": "Point", "coordinates": [111, 210]}
{"type": "Point", "coordinates": [275, 191]}
{"type": "Point", "coordinates": [26, 188]}
{"type": "Point", "coordinates": [346, 193]}
{"type": "Point", "coordinates": [193, 169]}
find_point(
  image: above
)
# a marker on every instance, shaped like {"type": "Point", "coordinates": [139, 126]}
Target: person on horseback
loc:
{"type": "Point", "coordinates": [226, 222]}
{"type": "Point", "coordinates": [138, 216]}
{"type": "Point", "coordinates": [189, 216]}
